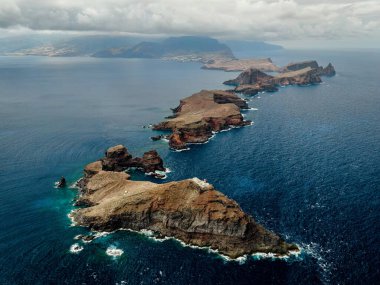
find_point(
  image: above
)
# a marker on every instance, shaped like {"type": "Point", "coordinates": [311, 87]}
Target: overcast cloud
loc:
{"type": "Point", "coordinates": [272, 20]}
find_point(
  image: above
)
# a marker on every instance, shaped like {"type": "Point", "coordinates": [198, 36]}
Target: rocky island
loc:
{"type": "Point", "coordinates": [199, 116]}
{"type": "Point", "coordinates": [252, 81]}
{"type": "Point", "coordinates": [190, 210]}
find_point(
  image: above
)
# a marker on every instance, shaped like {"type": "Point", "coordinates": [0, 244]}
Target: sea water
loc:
{"type": "Point", "coordinates": [308, 169]}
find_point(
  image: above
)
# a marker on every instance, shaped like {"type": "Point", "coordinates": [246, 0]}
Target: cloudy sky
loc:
{"type": "Point", "coordinates": [285, 21]}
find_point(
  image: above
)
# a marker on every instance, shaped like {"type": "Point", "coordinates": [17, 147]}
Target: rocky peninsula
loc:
{"type": "Point", "coordinates": [190, 210]}
{"type": "Point", "coordinates": [264, 64]}
{"type": "Point", "coordinates": [253, 81]}
{"type": "Point", "coordinates": [199, 116]}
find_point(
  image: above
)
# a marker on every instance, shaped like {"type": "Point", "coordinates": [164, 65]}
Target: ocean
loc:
{"type": "Point", "coordinates": [308, 169]}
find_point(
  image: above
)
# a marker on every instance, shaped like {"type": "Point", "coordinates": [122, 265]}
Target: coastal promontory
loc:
{"type": "Point", "coordinates": [190, 210]}
{"type": "Point", "coordinates": [253, 80]}
{"type": "Point", "coordinates": [263, 64]}
{"type": "Point", "coordinates": [199, 116]}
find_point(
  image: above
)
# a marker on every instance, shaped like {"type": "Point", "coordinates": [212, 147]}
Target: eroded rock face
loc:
{"type": "Point", "coordinates": [294, 66]}
{"type": "Point", "coordinates": [253, 81]}
{"type": "Point", "coordinates": [198, 116]}
{"type": "Point", "coordinates": [250, 76]}
{"type": "Point", "coordinates": [117, 158]}
{"type": "Point", "coordinates": [304, 76]}
{"type": "Point", "coordinates": [329, 70]}
{"type": "Point", "coordinates": [190, 210]}
{"type": "Point", "coordinates": [253, 89]}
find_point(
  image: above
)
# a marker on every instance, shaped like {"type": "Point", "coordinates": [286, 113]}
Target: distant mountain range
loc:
{"type": "Point", "coordinates": [176, 48]}
{"type": "Point", "coordinates": [186, 48]}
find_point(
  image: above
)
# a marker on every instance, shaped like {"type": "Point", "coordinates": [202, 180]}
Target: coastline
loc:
{"type": "Point", "coordinates": [156, 238]}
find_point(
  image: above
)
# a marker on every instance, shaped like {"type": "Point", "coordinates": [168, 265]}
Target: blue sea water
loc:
{"type": "Point", "coordinates": [308, 169]}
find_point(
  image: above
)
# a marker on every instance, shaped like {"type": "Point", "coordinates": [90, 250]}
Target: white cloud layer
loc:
{"type": "Point", "coordinates": [253, 19]}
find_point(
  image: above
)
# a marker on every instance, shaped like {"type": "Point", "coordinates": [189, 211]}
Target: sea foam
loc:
{"type": "Point", "coordinates": [76, 248]}
{"type": "Point", "coordinates": [113, 251]}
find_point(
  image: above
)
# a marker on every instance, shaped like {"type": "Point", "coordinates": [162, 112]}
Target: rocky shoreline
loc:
{"type": "Point", "coordinates": [118, 159]}
{"type": "Point", "coordinates": [190, 210]}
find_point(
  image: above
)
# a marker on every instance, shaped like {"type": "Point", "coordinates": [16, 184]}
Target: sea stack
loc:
{"type": "Point", "coordinates": [118, 159]}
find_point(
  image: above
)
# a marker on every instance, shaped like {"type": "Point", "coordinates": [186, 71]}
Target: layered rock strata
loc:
{"type": "Point", "coordinates": [197, 117]}
{"type": "Point", "coordinates": [190, 210]}
{"type": "Point", "coordinates": [329, 70]}
{"type": "Point", "coordinates": [118, 159]}
{"type": "Point", "coordinates": [253, 81]}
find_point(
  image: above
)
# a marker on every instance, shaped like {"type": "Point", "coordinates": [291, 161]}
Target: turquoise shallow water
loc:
{"type": "Point", "coordinates": [308, 169]}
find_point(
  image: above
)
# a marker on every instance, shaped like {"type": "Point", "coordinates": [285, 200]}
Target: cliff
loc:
{"type": "Point", "coordinates": [250, 76]}
{"type": "Point", "coordinates": [198, 116]}
{"type": "Point", "coordinates": [118, 159]}
{"type": "Point", "coordinates": [252, 81]}
{"type": "Point", "coordinates": [190, 210]}
{"type": "Point", "coordinates": [329, 70]}
{"type": "Point", "coordinates": [294, 66]}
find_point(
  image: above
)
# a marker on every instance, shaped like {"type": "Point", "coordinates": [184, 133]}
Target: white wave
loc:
{"type": "Point", "coordinates": [113, 251]}
{"type": "Point", "coordinates": [180, 150]}
{"type": "Point", "coordinates": [75, 184]}
{"type": "Point", "coordinates": [148, 233]}
{"type": "Point", "coordinates": [253, 109]}
{"type": "Point", "coordinates": [70, 216]}
{"type": "Point", "coordinates": [161, 173]}
{"type": "Point", "coordinates": [101, 234]}
{"type": "Point", "coordinates": [76, 248]}
{"type": "Point", "coordinates": [316, 251]}
{"type": "Point", "coordinates": [241, 260]}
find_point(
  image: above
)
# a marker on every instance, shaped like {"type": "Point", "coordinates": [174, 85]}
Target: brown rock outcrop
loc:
{"type": "Point", "coordinates": [329, 70]}
{"type": "Point", "coordinates": [304, 76]}
{"type": "Point", "coordinates": [250, 76]}
{"type": "Point", "coordinates": [198, 116]}
{"type": "Point", "coordinates": [253, 81]}
{"type": "Point", "coordinates": [294, 66]}
{"type": "Point", "coordinates": [190, 210]}
{"type": "Point", "coordinates": [253, 89]}
{"type": "Point", "coordinates": [117, 158]}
